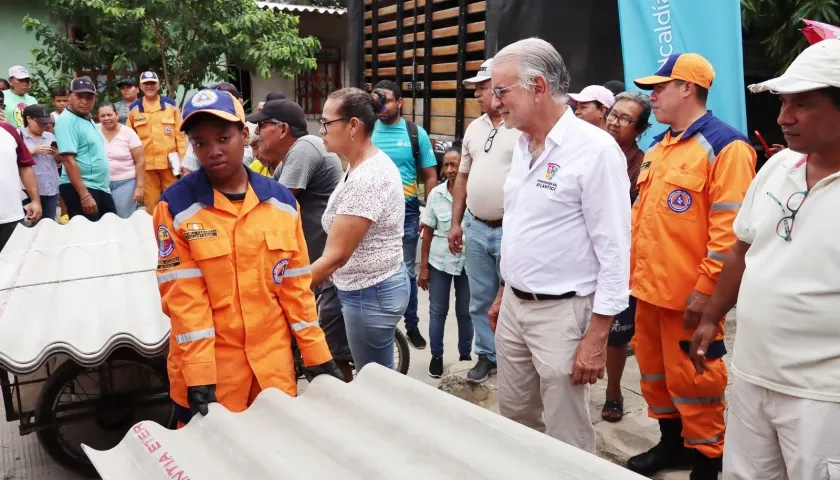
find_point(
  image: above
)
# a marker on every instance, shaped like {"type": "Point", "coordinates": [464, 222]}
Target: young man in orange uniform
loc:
{"type": "Point", "coordinates": [691, 185]}
{"type": "Point", "coordinates": [233, 272]}
{"type": "Point", "coordinates": [157, 122]}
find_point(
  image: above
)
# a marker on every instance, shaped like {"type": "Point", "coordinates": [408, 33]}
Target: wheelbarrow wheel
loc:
{"type": "Point", "coordinates": [106, 419]}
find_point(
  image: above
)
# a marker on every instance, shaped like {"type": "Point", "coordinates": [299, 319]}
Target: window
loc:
{"type": "Point", "coordinates": [312, 88]}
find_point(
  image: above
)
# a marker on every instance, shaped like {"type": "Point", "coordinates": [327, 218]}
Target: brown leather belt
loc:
{"type": "Point", "coordinates": [489, 223]}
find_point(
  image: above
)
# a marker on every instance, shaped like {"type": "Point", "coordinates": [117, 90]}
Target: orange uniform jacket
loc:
{"type": "Point", "coordinates": [690, 189]}
{"type": "Point", "coordinates": [159, 127]}
{"type": "Point", "coordinates": [234, 279]}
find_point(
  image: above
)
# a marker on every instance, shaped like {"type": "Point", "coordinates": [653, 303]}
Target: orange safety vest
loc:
{"type": "Point", "coordinates": [690, 189]}
{"type": "Point", "coordinates": [159, 127]}
{"type": "Point", "coordinates": [234, 279]}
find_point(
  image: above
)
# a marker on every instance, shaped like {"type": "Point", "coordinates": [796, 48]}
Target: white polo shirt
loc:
{"type": "Point", "coordinates": [567, 218]}
{"type": "Point", "coordinates": [488, 169]}
{"type": "Point", "coordinates": [13, 154]}
{"type": "Point", "coordinates": [789, 303]}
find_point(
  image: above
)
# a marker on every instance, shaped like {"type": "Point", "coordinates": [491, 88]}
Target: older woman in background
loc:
{"type": "Point", "coordinates": [364, 225]}
{"type": "Point", "coordinates": [40, 142]}
{"type": "Point", "coordinates": [125, 154]}
{"type": "Point", "coordinates": [626, 121]}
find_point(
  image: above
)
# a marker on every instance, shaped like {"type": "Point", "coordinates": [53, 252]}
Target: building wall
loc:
{"type": "Point", "coordinates": [331, 31]}
{"type": "Point", "coordinates": [15, 44]}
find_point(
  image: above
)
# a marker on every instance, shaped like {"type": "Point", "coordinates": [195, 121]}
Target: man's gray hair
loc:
{"type": "Point", "coordinates": [537, 57]}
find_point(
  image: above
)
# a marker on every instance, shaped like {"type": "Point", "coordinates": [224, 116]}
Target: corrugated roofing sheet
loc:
{"type": "Point", "coordinates": [82, 289]}
{"type": "Point", "coordinates": [285, 7]}
{"type": "Point", "coordinates": [383, 425]}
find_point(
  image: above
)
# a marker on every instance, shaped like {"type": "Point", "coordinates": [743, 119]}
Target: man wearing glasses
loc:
{"type": "Point", "coordinates": [784, 409]}
{"type": "Point", "coordinates": [565, 252]}
{"type": "Point", "coordinates": [478, 202]}
{"type": "Point", "coordinates": [691, 185]}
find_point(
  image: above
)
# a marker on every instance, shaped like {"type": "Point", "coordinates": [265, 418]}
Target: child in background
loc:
{"type": "Point", "coordinates": [60, 99]}
{"type": "Point", "coordinates": [439, 268]}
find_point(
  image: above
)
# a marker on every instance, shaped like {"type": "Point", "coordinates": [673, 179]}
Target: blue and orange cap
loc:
{"type": "Point", "coordinates": [688, 67]}
{"type": "Point", "coordinates": [215, 102]}
{"type": "Point", "coordinates": [149, 76]}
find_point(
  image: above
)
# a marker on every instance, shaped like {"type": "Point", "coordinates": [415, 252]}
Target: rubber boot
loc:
{"type": "Point", "coordinates": [670, 452]}
{"type": "Point", "coordinates": [705, 468]}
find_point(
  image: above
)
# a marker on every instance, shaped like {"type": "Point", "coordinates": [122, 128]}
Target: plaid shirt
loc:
{"type": "Point", "coordinates": [122, 111]}
{"type": "Point", "coordinates": [438, 215]}
{"type": "Point", "coordinates": [46, 168]}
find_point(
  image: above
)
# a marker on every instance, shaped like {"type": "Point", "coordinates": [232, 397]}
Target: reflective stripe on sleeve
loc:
{"type": "Point", "coordinates": [179, 274]}
{"type": "Point", "coordinates": [726, 206]}
{"type": "Point", "coordinates": [716, 255]}
{"type": "Point", "coordinates": [282, 206]}
{"type": "Point", "coordinates": [702, 441]}
{"type": "Point", "coordinates": [297, 272]}
{"type": "Point", "coordinates": [707, 147]}
{"type": "Point", "coordinates": [196, 335]}
{"type": "Point", "coordinates": [663, 410]}
{"type": "Point", "coordinates": [186, 214]}
{"type": "Point", "coordinates": [653, 377]}
{"type": "Point", "coordinates": [301, 325]}
{"type": "Point", "coordinates": [697, 400]}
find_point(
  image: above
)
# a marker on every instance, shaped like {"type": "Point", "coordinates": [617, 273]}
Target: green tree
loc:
{"type": "Point", "coordinates": [779, 23]}
{"type": "Point", "coordinates": [187, 42]}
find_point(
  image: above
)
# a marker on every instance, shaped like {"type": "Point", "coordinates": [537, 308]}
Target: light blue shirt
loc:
{"type": "Point", "coordinates": [395, 142]}
{"type": "Point", "coordinates": [438, 216]}
{"type": "Point", "coordinates": [81, 137]}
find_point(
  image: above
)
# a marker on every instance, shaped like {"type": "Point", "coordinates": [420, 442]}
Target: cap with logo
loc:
{"type": "Point", "coordinates": [484, 72]}
{"type": "Point", "coordinates": [818, 66]}
{"type": "Point", "coordinates": [149, 77]}
{"type": "Point", "coordinates": [213, 102]}
{"type": "Point", "coordinates": [595, 93]}
{"type": "Point", "coordinates": [688, 67]}
{"type": "Point", "coordinates": [285, 111]}
{"type": "Point", "coordinates": [18, 72]}
{"type": "Point", "coordinates": [40, 113]}
{"type": "Point", "coordinates": [82, 85]}
{"type": "Point", "coordinates": [126, 81]}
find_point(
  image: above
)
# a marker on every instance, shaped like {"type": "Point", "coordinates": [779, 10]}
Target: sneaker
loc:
{"type": "Point", "coordinates": [436, 367]}
{"type": "Point", "coordinates": [415, 338]}
{"type": "Point", "coordinates": [465, 358]}
{"type": "Point", "coordinates": [482, 370]}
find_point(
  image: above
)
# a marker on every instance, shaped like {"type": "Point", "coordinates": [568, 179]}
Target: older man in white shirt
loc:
{"type": "Point", "coordinates": [565, 248]}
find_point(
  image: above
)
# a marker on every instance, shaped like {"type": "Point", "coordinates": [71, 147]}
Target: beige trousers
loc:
{"type": "Point", "coordinates": [773, 436]}
{"type": "Point", "coordinates": [536, 343]}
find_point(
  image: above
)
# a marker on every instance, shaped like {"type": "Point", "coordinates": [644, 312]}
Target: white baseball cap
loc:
{"type": "Point", "coordinates": [818, 66]}
{"type": "Point", "coordinates": [594, 93]}
{"type": "Point", "coordinates": [483, 73]}
{"type": "Point", "coordinates": [18, 72]}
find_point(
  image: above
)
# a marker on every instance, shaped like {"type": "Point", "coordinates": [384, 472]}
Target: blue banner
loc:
{"type": "Point", "coordinates": [651, 30]}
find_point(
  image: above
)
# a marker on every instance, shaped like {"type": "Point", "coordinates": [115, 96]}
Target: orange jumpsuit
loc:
{"type": "Point", "coordinates": [234, 279]}
{"type": "Point", "coordinates": [158, 125]}
{"type": "Point", "coordinates": [690, 189]}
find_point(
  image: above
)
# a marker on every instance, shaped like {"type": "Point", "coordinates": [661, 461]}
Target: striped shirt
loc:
{"type": "Point", "coordinates": [438, 216]}
{"type": "Point", "coordinates": [46, 168]}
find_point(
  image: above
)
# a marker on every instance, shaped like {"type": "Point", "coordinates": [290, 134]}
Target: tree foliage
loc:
{"type": "Point", "coordinates": [779, 23]}
{"type": "Point", "coordinates": [187, 42]}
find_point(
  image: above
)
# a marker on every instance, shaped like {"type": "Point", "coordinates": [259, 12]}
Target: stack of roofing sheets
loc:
{"type": "Point", "coordinates": [383, 425]}
{"type": "Point", "coordinates": [83, 289]}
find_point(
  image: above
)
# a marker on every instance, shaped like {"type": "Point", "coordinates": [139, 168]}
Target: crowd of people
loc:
{"type": "Point", "coordinates": [562, 238]}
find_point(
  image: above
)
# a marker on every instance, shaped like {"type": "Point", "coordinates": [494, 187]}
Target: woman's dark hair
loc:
{"type": "Point", "coordinates": [359, 104]}
{"type": "Point", "coordinates": [58, 92]}
{"type": "Point", "coordinates": [643, 122]}
{"type": "Point", "coordinates": [105, 104]}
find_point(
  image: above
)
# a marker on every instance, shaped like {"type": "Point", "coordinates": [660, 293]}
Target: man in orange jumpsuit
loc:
{"type": "Point", "coordinates": [691, 186]}
{"type": "Point", "coordinates": [233, 272]}
{"type": "Point", "coordinates": [157, 122]}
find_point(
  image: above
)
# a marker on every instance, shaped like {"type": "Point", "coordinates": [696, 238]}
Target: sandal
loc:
{"type": "Point", "coordinates": [613, 410]}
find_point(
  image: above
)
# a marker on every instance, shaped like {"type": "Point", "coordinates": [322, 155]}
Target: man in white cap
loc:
{"type": "Point", "coordinates": [17, 97]}
{"type": "Point", "coordinates": [784, 408]}
{"type": "Point", "coordinates": [478, 201]}
{"type": "Point", "coordinates": [593, 103]}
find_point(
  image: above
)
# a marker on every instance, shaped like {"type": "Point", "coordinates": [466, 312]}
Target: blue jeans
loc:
{"type": "Point", "coordinates": [440, 285]}
{"type": "Point", "coordinates": [122, 192]}
{"type": "Point", "coordinates": [411, 235]}
{"type": "Point", "coordinates": [49, 206]}
{"type": "Point", "coordinates": [371, 316]}
{"type": "Point", "coordinates": [483, 246]}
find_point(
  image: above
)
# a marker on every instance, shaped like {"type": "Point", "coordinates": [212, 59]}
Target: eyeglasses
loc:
{"type": "Point", "coordinates": [263, 123]}
{"type": "Point", "coordinates": [622, 120]}
{"type": "Point", "coordinates": [489, 143]}
{"type": "Point", "coordinates": [793, 204]}
{"type": "Point", "coordinates": [324, 124]}
{"type": "Point", "coordinates": [499, 92]}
